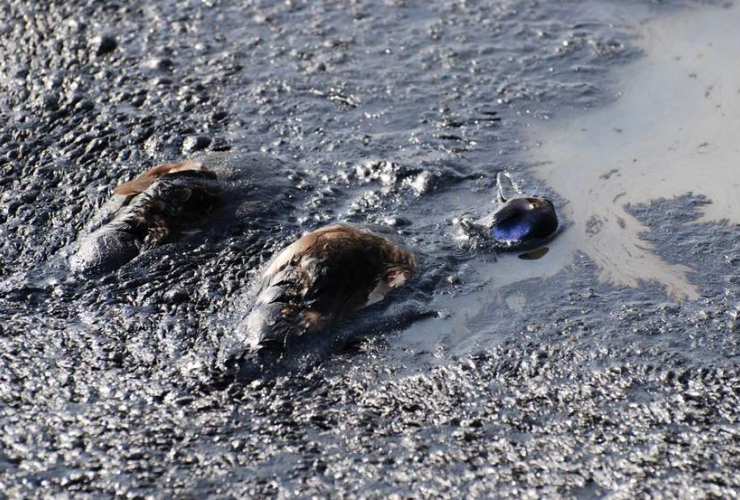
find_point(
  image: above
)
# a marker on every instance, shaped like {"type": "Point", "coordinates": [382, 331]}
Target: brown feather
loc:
{"type": "Point", "coordinates": [320, 278]}
{"type": "Point", "coordinates": [390, 266]}
{"type": "Point", "coordinates": [148, 178]}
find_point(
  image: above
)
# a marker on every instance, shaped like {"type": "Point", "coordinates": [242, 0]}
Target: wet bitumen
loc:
{"type": "Point", "coordinates": [523, 382]}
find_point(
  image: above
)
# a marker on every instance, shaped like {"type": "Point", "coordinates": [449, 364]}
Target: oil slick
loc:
{"type": "Point", "coordinates": [672, 131]}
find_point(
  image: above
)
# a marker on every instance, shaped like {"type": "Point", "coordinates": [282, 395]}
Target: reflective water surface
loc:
{"type": "Point", "coordinates": [672, 130]}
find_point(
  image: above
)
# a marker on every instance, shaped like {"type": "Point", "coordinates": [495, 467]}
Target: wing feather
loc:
{"type": "Point", "coordinates": [139, 184]}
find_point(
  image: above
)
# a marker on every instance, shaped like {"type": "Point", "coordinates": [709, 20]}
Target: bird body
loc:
{"type": "Point", "coordinates": [162, 204]}
{"type": "Point", "coordinates": [322, 277]}
{"type": "Point", "coordinates": [518, 223]}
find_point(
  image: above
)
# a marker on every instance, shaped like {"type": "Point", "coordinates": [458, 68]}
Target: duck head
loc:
{"type": "Point", "coordinates": [519, 223]}
{"type": "Point", "coordinates": [523, 222]}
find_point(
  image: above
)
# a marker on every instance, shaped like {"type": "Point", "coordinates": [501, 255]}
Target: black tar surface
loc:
{"type": "Point", "coordinates": [110, 386]}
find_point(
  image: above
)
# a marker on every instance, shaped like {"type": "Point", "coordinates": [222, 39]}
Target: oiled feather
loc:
{"type": "Point", "coordinates": [148, 178]}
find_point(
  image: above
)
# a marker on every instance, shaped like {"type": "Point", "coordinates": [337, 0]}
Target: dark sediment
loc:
{"type": "Point", "coordinates": [400, 111]}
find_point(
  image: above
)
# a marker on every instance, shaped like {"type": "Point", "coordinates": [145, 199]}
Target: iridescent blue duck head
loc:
{"type": "Point", "coordinates": [522, 222]}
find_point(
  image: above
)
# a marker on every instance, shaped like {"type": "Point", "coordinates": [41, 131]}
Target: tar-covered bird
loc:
{"type": "Point", "coordinates": [163, 204]}
{"type": "Point", "coordinates": [319, 279]}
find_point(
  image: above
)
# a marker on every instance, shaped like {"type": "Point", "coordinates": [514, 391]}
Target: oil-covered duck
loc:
{"type": "Point", "coordinates": [519, 223]}
{"type": "Point", "coordinates": [319, 279]}
{"type": "Point", "coordinates": [163, 204]}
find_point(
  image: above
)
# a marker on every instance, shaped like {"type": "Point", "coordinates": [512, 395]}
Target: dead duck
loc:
{"type": "Point", "coordinates": [519, 222]}
{"type": "Point", "coordinates": [319, 279]}
{"type": "Point", "coordinates": [163, 204]}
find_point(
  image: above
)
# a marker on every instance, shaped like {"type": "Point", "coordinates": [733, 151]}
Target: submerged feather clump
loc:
{"type": "Point", "coordinates": [163, 204]}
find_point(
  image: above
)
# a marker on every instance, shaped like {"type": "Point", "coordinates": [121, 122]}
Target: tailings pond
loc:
{"type": "Point", "coordinates": [606, 366]}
